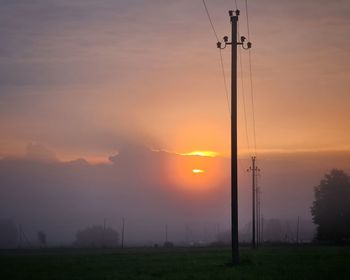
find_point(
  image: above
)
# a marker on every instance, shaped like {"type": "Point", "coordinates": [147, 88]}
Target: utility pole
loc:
{"type": "Point", "coordinates": [254, 169]}
{"type": "Point", "coordinates": [123, 228]}
{"type": "Point", "coordinates": [257, 214]}
{"type": "Point", "coordinates": [104, 233]}
{"type": "Point", "coordinates": [262, 229]}
{"type": "Point", "coordinates": [166, 233]}
{"type": "Point", "coordinates": [297, 237]}
{"type": "Point", "coordinates": [234, 174]}
{"type": "Point", "coordinates": [20, 235]}
{"type": "Point", "coordinates": [258, 210]}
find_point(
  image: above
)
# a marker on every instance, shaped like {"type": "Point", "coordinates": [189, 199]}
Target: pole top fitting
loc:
{"type": "Point", "coordinates": [230, 13]}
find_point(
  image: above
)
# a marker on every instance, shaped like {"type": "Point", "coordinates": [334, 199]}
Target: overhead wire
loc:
{"type": "Point", "coordinates": [225, 83]}
{"type": "Point", "coordinates": [243, 90]}
{"type": "Point", "coordinates": [259, 196]}
{"type": "Point", "coordinates": [251, 77]}
{"type": "Point", "coordinates": [220, 56]}
{"type": "Point", "coordinates": [241, 76]}
{"type": "Point", "coordinates": [211, 22]}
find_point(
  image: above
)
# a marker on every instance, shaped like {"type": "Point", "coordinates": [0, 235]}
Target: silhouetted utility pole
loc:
{"type": "Point", "coordinates": [20, 235]}
{"type": "Point", "coordinates": [257, 214]}
{"type": "Point", "coordinates": [104, 233]}
{"type": "Point", "coordinates": [258, 208]}
{"type": "Point", "coordinates": [262, 229]}
{"type": "Point", "coordinates": [297, 237]}
{"type": "Point", "coordinates": [123, 228]}
{"type": "Point", "coordinates": [166, 233]}
{"type": "Point", "coordinates": [234, 177]}
{"type": "Point", "coordinates": [254, 170]}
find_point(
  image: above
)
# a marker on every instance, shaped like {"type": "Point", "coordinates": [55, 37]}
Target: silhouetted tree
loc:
{"type": "Point", "coordinates": [42, 238]}
{"type": "Point", "coordinates": [8, 234]}
{"type": "Point", "coordinates": [97, 236]}
{"type": "Point", "coordinates": [331, 208]}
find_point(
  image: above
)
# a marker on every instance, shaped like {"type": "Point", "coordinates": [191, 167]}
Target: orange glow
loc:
{"type": "Point", "coordinates": [197, 171]}
{"type": "Point", "coordinates": [201, 154]}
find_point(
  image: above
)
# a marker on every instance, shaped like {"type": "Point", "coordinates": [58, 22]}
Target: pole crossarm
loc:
{"type": "Point", "coordinates": [222, 45]}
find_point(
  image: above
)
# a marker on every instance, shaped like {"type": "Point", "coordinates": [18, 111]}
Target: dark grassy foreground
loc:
{"type": "Point", "coordinates": [196, 263]}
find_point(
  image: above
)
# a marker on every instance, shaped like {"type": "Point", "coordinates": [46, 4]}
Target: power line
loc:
{"type": "Point", "coordinates": [220, 56]}
{"type": "Point", "coordinates": [225, 83]}
{"type": "Point", "coordinates": [251, 76]}
{"type": "Point", "coordinates": [243, 91]}
{"type": "Point", "coordinates": [211, 22]}
{"type": "Point", "coordinates": [247, 18]}
{"type": "Point", "coordinates": [243, 100]}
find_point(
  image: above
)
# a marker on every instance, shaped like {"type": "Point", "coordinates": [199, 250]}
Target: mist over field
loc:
{"type": "Point", "coordinates": [40, 192]}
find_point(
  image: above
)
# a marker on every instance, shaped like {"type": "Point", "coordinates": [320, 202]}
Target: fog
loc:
{"type": "Point", "coordinates": [40, 192]}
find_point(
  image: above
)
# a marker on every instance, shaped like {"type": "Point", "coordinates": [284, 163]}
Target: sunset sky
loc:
{"type": "Point", "coordinates": [84, 77]}
{"type": "Point", "coordinates": [138, 85]}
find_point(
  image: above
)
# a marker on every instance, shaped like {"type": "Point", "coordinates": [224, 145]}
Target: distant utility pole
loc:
{"type": "Point", "coordinates": [123, 228]}
{"type": "Point", "coordinates": [20, 235]}
{"type": "Point", "coordinates": [262, 229]}
{"type": "Point", "coordinates": [297, 237]}
{"type": "Point", "coordinates": [104, 233]}
{"type": "Point", "coordinates": [254, 170]}
{"type": "Point", "coordinates": [257, 214]}
{"type": "Point", "coordinates": [234, 161]}
{"type": "Point", "coordinates": [166, 233]}
{"type": "Point", "coordinates": [258, 209]}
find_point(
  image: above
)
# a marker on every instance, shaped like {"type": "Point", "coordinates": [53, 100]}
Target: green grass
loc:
{"type": "Point", "coordinates": [196, 263]}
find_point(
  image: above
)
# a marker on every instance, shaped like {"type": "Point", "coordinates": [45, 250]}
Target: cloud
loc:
{"type": "Point", "coordinates": [39, 152]}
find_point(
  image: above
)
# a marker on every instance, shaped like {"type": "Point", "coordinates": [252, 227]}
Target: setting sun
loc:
{"type": "Point", "coordinates": [198, 171]}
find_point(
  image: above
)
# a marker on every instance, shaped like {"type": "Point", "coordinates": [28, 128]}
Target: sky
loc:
{"type": "Point", "coordinates": [82, 77]}
{"type": "Point", "coordinates": [97, 79]}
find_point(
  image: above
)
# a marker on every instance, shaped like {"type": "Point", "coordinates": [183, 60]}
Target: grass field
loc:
{"type": "Point", "coordinates": [194, 263]}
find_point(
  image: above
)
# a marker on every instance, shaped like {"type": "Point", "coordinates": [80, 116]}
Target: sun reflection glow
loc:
{"type": "Point", "coordinates": [201, 154]}
{"type": "Point", "coordinates": [197, 171]}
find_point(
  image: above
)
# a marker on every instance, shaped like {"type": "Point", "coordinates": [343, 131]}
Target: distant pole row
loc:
{"type": "Point", "coordinates": [255, 204]}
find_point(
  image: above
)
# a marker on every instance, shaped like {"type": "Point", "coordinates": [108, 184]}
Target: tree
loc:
{"type": "Point", "coordinates": [331, 208]}
{"type": "Point", "coordinates": [97, 237]}
{"type": "Point", "coordinates": [42, 238]}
